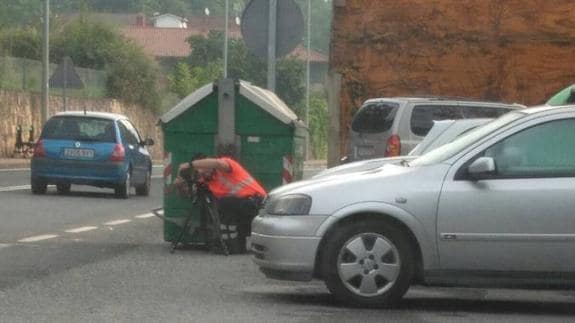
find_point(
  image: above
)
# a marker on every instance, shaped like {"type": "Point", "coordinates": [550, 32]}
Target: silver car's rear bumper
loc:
{"type": "Point", "coordinates": [285, 247]}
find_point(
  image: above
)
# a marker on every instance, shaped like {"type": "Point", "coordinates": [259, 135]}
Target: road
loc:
{"type": "Point", "coordinates": [88, 257]}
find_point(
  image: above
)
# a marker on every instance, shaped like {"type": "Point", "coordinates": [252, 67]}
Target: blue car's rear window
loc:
{"type": "Point", "coordinates": [80, 129]}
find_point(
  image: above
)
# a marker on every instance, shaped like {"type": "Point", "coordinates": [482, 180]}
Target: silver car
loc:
{"type": "Point", "coordinates": [493, 208]}
{"type": "Point", "coordinates": [442, 132]}
{"type": "Point", "coordinates": [389, 127]}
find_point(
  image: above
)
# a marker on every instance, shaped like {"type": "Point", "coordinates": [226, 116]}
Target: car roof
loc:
{"type": "Point", "coordinates": [549, 109]}
{"type": "Point", "coordinates": [419, 99]}
{"type": "Point", "coordinates": [91, 114]}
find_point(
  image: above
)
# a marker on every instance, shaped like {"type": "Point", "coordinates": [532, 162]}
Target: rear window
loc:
{"type": "Point", "coordinates": [80, 129]}
{"type": "Point", "coordinates": [471, 112]}
{"type": "Point", "coordinates": [374, 118]}
{"type": "Point", "coordinates": [423, 116]}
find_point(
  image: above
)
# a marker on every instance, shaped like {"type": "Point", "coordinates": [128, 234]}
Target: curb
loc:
{"type": "Point", "coordinates": [14, 163]}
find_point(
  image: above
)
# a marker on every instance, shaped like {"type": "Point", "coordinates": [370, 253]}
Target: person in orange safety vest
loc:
{"type": "Point", "coordinates": [238, 194]}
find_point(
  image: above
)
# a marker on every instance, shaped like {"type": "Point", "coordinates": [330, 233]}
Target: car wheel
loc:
{"type": "Point", "coordinates": [144, 189]}
{"type": "Point", "coordinates": [368, 264]}
{"type": "Point", "coordinates": [123, 190]}
{"type": "Point", "coordinates": [63, 188]}
{"type": "Point", "coordinates": [38, 186]}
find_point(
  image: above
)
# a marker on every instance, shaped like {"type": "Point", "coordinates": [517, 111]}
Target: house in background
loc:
{"type": "Point", "coordinates": [169, 21]}
{"type": "Point", "coordinates": [165, 39]}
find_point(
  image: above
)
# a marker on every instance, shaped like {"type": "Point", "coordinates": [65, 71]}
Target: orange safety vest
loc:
{"type": "Point", "coordinates": [236, 182]}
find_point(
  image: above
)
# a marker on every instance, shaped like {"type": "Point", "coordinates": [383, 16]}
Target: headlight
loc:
{"type": "Point", "coordinates": [292, 204]}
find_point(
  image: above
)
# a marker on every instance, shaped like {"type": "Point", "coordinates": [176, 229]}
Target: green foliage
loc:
{"type": "Point", "coordinates": [321, 15]}
{"type": "Point", "coordinates": [244, 65]}
{"type": "Point", "coordinates": [185, 79]}
{"type": "Point", "coordinates": [290, 81]}
{"type": "Point", "coordinates": [132, 75]}
{"type": "Point", "coordinates": [17, 13]}
{"type": "Point", "coordinates": [181, 81]}
{"type": "Point", "coordinates": [24, 43]}
{"type": "Point", "coordinates": [318, 125]}
{"type": "Point", "coordinates": [89, 44]}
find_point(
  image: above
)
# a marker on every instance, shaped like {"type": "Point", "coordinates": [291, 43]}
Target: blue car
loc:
{"type": "Point", "coordinates": [91, 148]}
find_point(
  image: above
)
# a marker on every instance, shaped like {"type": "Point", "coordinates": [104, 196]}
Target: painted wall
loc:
{"type": "Point", "coordinates": [23, 108]}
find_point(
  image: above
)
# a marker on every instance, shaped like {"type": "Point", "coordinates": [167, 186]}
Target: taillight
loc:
{"type": "Point", "coordinates": [393, 146]}
{"type": "Point", "coordinates": [39, 150]}
{"type": "Point", "coordinates": [119, 154]}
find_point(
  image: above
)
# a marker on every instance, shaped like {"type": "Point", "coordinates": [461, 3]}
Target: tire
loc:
{"type": "Point", "coordinates": [144, 189]}
{"type": "Point", "coordinates": [123, 190]}
{"type": "Point", "coordinates": [63, 188]}
{"type": "Point", "coordinates": [368, 264]}
{"type": "Point", "coordinates": [38, 186]}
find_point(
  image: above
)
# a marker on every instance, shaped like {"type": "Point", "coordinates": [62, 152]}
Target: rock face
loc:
{"type": "Point", "coordinates": [19, 108]}
{"type": "Point", "coordinates": [504, 50]}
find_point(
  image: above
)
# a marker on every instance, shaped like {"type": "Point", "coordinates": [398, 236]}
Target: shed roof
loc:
{"type": "Point", "coordinates": [265, 99]}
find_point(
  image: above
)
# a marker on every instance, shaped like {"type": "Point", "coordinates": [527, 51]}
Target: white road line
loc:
{"type": "Point", "coordinates": [81, 229]}
{"type": "Point", "coordinates": [144, 216]}
{"type": "Point", "coordinates": [117, 222]}
{"type": "Point", "coordinates": [14, 169]}
{"type": "Point", "coordinates": [14, 188]}
{"type": "Point", "coordinates": [39, 238]}
{"type": "Point", "coordinates": [4, 245]}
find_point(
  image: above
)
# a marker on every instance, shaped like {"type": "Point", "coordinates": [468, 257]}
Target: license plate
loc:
{"type": "Point", "coordinates": [365, 151]}
{"type": "Point", "coordinates": [79, 153]}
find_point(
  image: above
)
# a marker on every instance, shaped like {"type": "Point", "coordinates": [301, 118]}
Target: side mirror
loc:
{"type": "Point", "coordinates": [482, 167]}
{"type": "Point", "coordinates": [148, 142]}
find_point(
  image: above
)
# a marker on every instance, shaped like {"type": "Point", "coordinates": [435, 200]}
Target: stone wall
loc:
{"type": "Point", "coordinates": [23, 108]}
{"type": "Point", "coordinates": [505, 50]}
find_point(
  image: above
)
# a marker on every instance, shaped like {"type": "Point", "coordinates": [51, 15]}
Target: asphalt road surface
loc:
{"type": "Point", "coordinates": [88, 257]}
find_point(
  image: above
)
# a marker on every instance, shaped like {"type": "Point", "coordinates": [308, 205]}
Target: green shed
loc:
{"type": "Point", "coordinates": [230, 117]}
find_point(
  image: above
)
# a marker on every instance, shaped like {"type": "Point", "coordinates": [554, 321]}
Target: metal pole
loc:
{"type": "Point", "coordinates": [45, 62]}
{"type": "Point", "coordinates": [307, 78]}
{"type": "Point", "coordinates": [272, 30]}
{"type": "Point", "coordinates": [226, 39]}
{"type": "Point", "coordinates": [65, 62]}
{"type": "Point", "coordinates": [308, 69]}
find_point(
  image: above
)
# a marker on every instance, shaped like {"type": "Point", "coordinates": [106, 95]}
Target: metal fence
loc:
{"type": "Point", "coordinates": [26, 74]}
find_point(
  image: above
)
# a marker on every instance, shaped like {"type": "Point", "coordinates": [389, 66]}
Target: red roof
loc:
{"type": "Point", "coordinates": [171, 42]}
{"type": "Point", "coordinates": [160, 42]}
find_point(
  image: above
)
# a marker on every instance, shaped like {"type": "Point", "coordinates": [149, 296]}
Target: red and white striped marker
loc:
{"type": "Point", "coordinates": [167, 171]}
{"type": "Point", "coordinates": [287, 173]}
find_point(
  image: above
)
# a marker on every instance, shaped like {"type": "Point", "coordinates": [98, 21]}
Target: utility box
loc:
{"type": "Point", "coordinates": [229, 118]}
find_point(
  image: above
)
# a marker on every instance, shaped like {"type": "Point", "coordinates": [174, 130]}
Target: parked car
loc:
{"type": "Point", "coordinates": [563, 97]}
{"type": "Point", "coordinates": [388, 127]}
{"type": "Point", "coordinates": [442, 132]}
{"type": "Point", "coordinates": [91, 148]}
{"type": "Point", "coordinates": [492, 208]}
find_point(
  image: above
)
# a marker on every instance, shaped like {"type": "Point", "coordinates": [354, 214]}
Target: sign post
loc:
{"type": "Point", "coordinates": [65, 77]}
{"type": "Point", "coordinates": [280, 34]}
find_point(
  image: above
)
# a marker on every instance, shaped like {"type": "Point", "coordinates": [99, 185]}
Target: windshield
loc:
{"type": "Point", "coordinates": [447, 151]}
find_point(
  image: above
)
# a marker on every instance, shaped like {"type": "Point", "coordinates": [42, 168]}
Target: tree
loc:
{"type": "Point", "coordinates": [181, 81]}
{"type": "Point", "coordinates": [21, 42]}
{"type": "Point", "coordinates": [321, 15]}
{"type": "Point", "coordinates": [318, 122]}
{"type": "Point", "coordinates": [242, 64]}
{"type": "Point", "coordinates": [132, 75]}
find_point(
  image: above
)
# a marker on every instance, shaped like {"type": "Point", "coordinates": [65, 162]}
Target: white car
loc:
{"type": "Point", "coordinates": [442, 132]}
